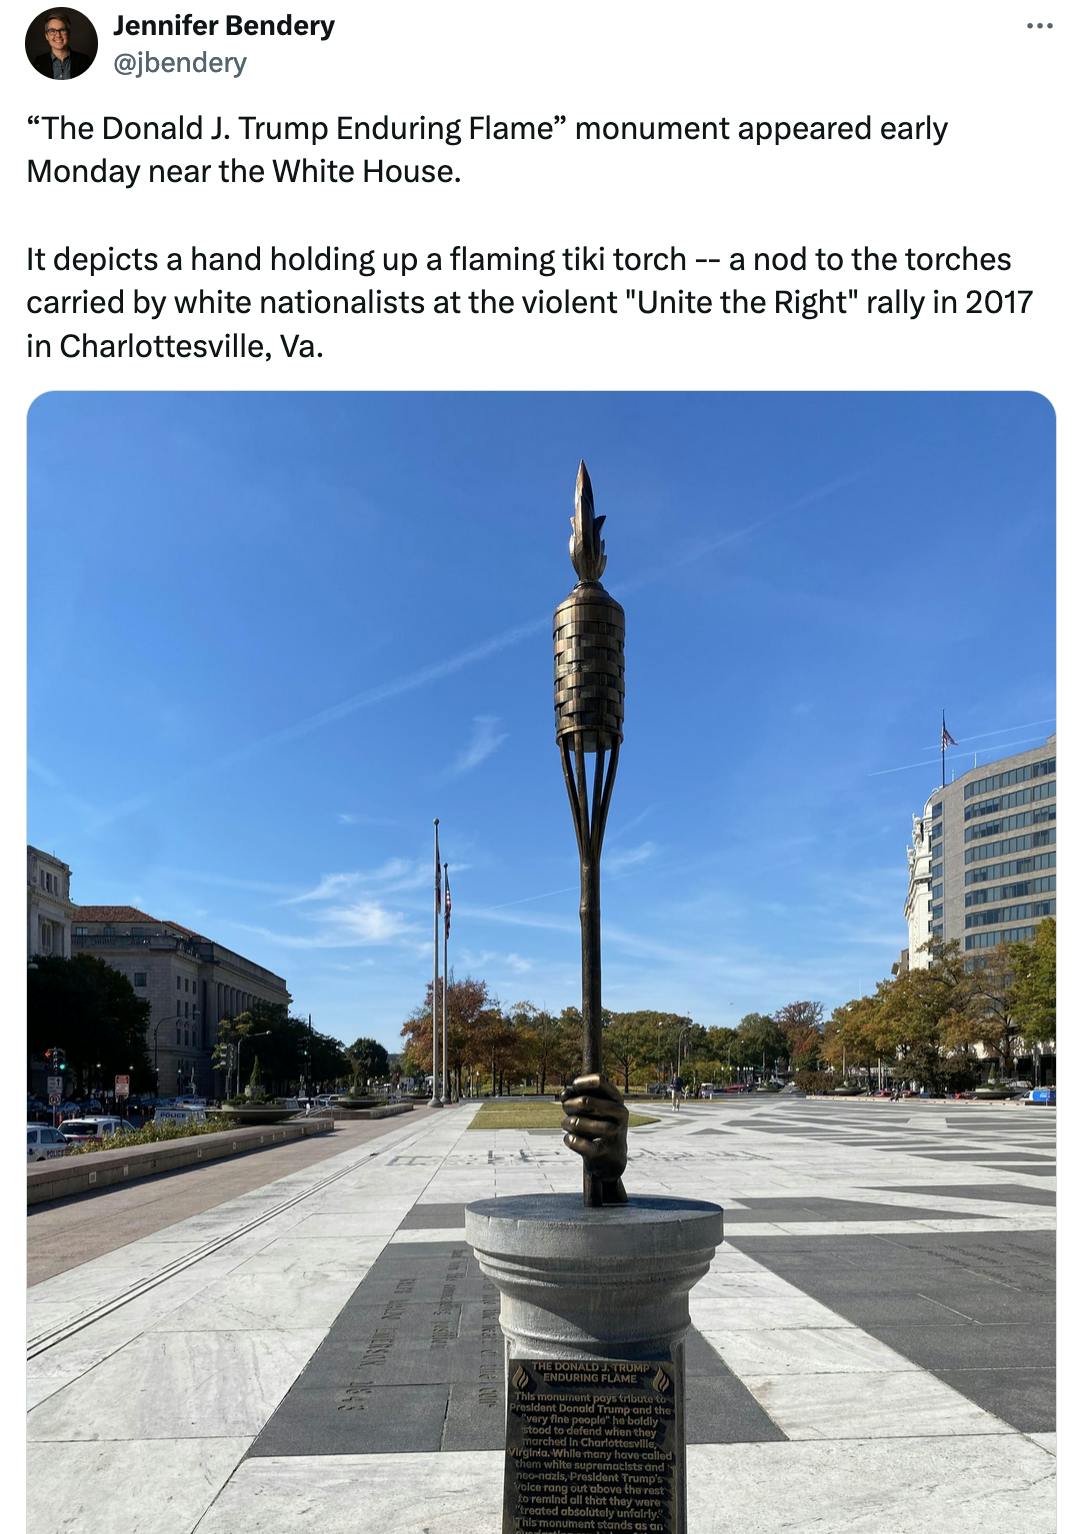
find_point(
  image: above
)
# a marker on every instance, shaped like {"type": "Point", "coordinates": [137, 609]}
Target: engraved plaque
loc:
{"type": "Point", "coordinates": [591, 1447]}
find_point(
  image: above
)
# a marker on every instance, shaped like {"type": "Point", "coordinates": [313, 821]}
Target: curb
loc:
{"type": "Point", "coordinates": [65, 1176]}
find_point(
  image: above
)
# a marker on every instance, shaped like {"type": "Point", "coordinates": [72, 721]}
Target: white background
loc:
{"type": "Point", "coordinates": [1004, 179]}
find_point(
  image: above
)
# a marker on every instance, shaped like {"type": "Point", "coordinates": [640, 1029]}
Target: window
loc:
{"type": "Point", "coordinates": [178, 1008]}
{"type": "Point", "coordinates": [1011, 823]}
{"type": "Point", "coordinates": [178, 982]}
{"type": "Point", "coordinates": [992, 939]}
{"type": "Point", "coordinates": [1016, 866]}
{"type": "Point", "coordinates": [1011, 844]}
{"type": "Point", "coordinates": [185, 1009]}
{"type": "Point", "coordinates": [1015, 775]}
{"type": "Point", "coordinates": [139, 978]}
{"type": "Point", "coordinates": [937, 809]}
{"type": "Point", "coordinates": [178, 1038]}
{"type": "Point", "coordinates": [41, 876]}
{"type": "Point", "coordinates": [1000, 914]}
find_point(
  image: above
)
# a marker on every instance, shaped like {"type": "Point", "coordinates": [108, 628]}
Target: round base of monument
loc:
{"type": "Point", "coordinates": [594, 1310]}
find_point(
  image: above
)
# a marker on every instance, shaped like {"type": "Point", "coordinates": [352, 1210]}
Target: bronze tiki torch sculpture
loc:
{"type": "Point", "coordinates": [588, 645]}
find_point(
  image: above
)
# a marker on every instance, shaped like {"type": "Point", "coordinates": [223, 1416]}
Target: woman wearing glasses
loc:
{"type": "Point", "coordinates": [60, 63]}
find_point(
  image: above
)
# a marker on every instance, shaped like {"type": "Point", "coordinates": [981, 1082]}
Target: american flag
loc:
{"type": "Point", "coordinates": [946, 739]}
{"type": "Point", "coordinates": [446, 905]}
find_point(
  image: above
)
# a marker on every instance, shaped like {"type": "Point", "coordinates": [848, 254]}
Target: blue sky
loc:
{"type": "Point", "coordinates": [271, 636]}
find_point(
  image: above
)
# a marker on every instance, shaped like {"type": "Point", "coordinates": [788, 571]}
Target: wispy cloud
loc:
{"type": "Point", "coordinates": [368, 921]}
{"type": "Point", "coordinates": [487, 737]}
{"type": "Point", "coordinates": [222, 881]}
{"type": "Point", "coordinates": [412, 681]}
{"type": "Point", "coordinates": [622, 858]}
{"type": "Point", "coordinates": [392, 877]}
{"type": "Point", "coordinates": [360, 924]}
{"type": "Point", "coordinates": [328, 886]}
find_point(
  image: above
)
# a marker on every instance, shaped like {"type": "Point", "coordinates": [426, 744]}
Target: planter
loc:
{"type": "Point", "coordinates": [993, 1094]}
{"type": "Point", "coordinates": [254, 1114]}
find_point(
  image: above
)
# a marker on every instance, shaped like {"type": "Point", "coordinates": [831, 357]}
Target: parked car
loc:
{"type": "Point", "coordinates": [94, 1127]}
{"type": "Point", "coordinates": [43, 1142]}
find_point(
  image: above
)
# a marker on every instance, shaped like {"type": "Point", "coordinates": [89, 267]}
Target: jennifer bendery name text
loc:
{"type": "Point", "coordinates": [187, 25]}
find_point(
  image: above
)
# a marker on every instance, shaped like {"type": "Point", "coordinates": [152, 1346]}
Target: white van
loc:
{"type": "Point", "coordinates": [181, 1113]}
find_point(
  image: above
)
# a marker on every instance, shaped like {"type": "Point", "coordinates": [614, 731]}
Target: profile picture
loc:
{"type": "Point", "coordinates": [62, 44]}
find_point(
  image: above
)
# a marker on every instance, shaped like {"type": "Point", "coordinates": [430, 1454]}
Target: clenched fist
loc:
{"type": "Point", "coordinates": [595, 1128]}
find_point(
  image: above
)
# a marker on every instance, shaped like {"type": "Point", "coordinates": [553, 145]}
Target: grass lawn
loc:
{"type": "Point", "coordinates": [541, 1113]}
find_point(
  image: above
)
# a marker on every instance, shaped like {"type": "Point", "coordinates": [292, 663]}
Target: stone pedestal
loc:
{"type": "Point", "coordinates": [607, 1289]}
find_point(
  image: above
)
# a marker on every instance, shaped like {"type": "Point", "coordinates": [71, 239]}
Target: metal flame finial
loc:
{"type": "Point", "coordinates": [586, 544]}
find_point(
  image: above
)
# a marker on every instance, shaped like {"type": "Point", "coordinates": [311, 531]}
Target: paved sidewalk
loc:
{"type": "Point", "coordinates": [871, 1349]}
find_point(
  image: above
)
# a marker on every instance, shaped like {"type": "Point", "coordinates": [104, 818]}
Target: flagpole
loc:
{"type": "Point", "coordinates": [446, 1078]}
{"type": "Point", "coordinates": [943, 750]}
{"type": "Point", "coordinates": [434, 1100]}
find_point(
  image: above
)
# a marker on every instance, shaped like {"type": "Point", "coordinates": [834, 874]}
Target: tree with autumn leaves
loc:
{"type": "Point", "coordinates": [938, 1025]}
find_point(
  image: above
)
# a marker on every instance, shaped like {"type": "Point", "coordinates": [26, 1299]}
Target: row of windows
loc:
{"type": "Point", "coordinates": [1011, 844]}
{"type": "Point", "coordinates": [1004, 913]}
{"type": "Point", "coordinates": [185, 983]}
{"type": "Point", "coordinates": [992, 939]}
{"type": "Point", "coordinates": [50, 883]}
{"type": "Point", "coordinates": [1016, 866]}
{"type": "Point", "coordinates": [1015, 775]}
{"type": "Point", "coordinates": [1012, 891]}
{"type": "Point", "coordinates": [1011, 801]}
{"type": "Point", "coordinates": [1011, 823]}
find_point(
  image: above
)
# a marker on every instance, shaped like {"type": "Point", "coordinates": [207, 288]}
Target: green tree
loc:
{"type": "Point", "coordinates": [929, 1022]}
{"type": "Point", "coordinates": [625, 1042]}
{"type": "Point", "coordinates": [91, 1012]}
{"type": "Point", "coordinates": [368, 1060]}
{"type": "Point", "coordinates": [762, 1041]}
{"type": "Point", "coordinates": [722, 1049]}
{"type": "Point", "coordinates": [255, 1082]}
{"type": "Point", "coordinates": [1035, 985]}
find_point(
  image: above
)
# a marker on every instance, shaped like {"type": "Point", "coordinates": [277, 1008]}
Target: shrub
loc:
{"type": "Point", "coordinates": [149, 1134]}
{"type": "Point", "coordinates": [814, 1081]}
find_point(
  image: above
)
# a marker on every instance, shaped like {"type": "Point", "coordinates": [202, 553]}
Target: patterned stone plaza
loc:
{"type": "Point", "coordinates": [873, 1348]}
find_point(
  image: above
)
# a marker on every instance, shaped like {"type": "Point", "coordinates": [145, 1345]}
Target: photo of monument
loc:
{"type": "Point", "coordinates": [691, 1166]}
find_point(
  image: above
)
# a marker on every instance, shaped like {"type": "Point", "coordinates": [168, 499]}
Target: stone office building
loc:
{"type": "Point", "coordinates": [190, 981]}
{"type": "Point", "coordinates": [48, 906]}
{"type": "Point", "coordinates": [982, 863]}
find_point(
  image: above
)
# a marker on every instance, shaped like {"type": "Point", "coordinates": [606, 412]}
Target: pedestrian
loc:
{"type": "Point", "coordinates": [676, 1091]}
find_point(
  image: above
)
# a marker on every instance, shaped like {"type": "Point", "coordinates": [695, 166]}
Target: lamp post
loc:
{"type": "Point", "coordinates": [588, 650]}
{"type": "Point", "coordinates": [168, 1018]}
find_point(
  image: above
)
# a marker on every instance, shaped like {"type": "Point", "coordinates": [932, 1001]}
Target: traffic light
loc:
{"type": "Point", "coordinates": [57, 1059]}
